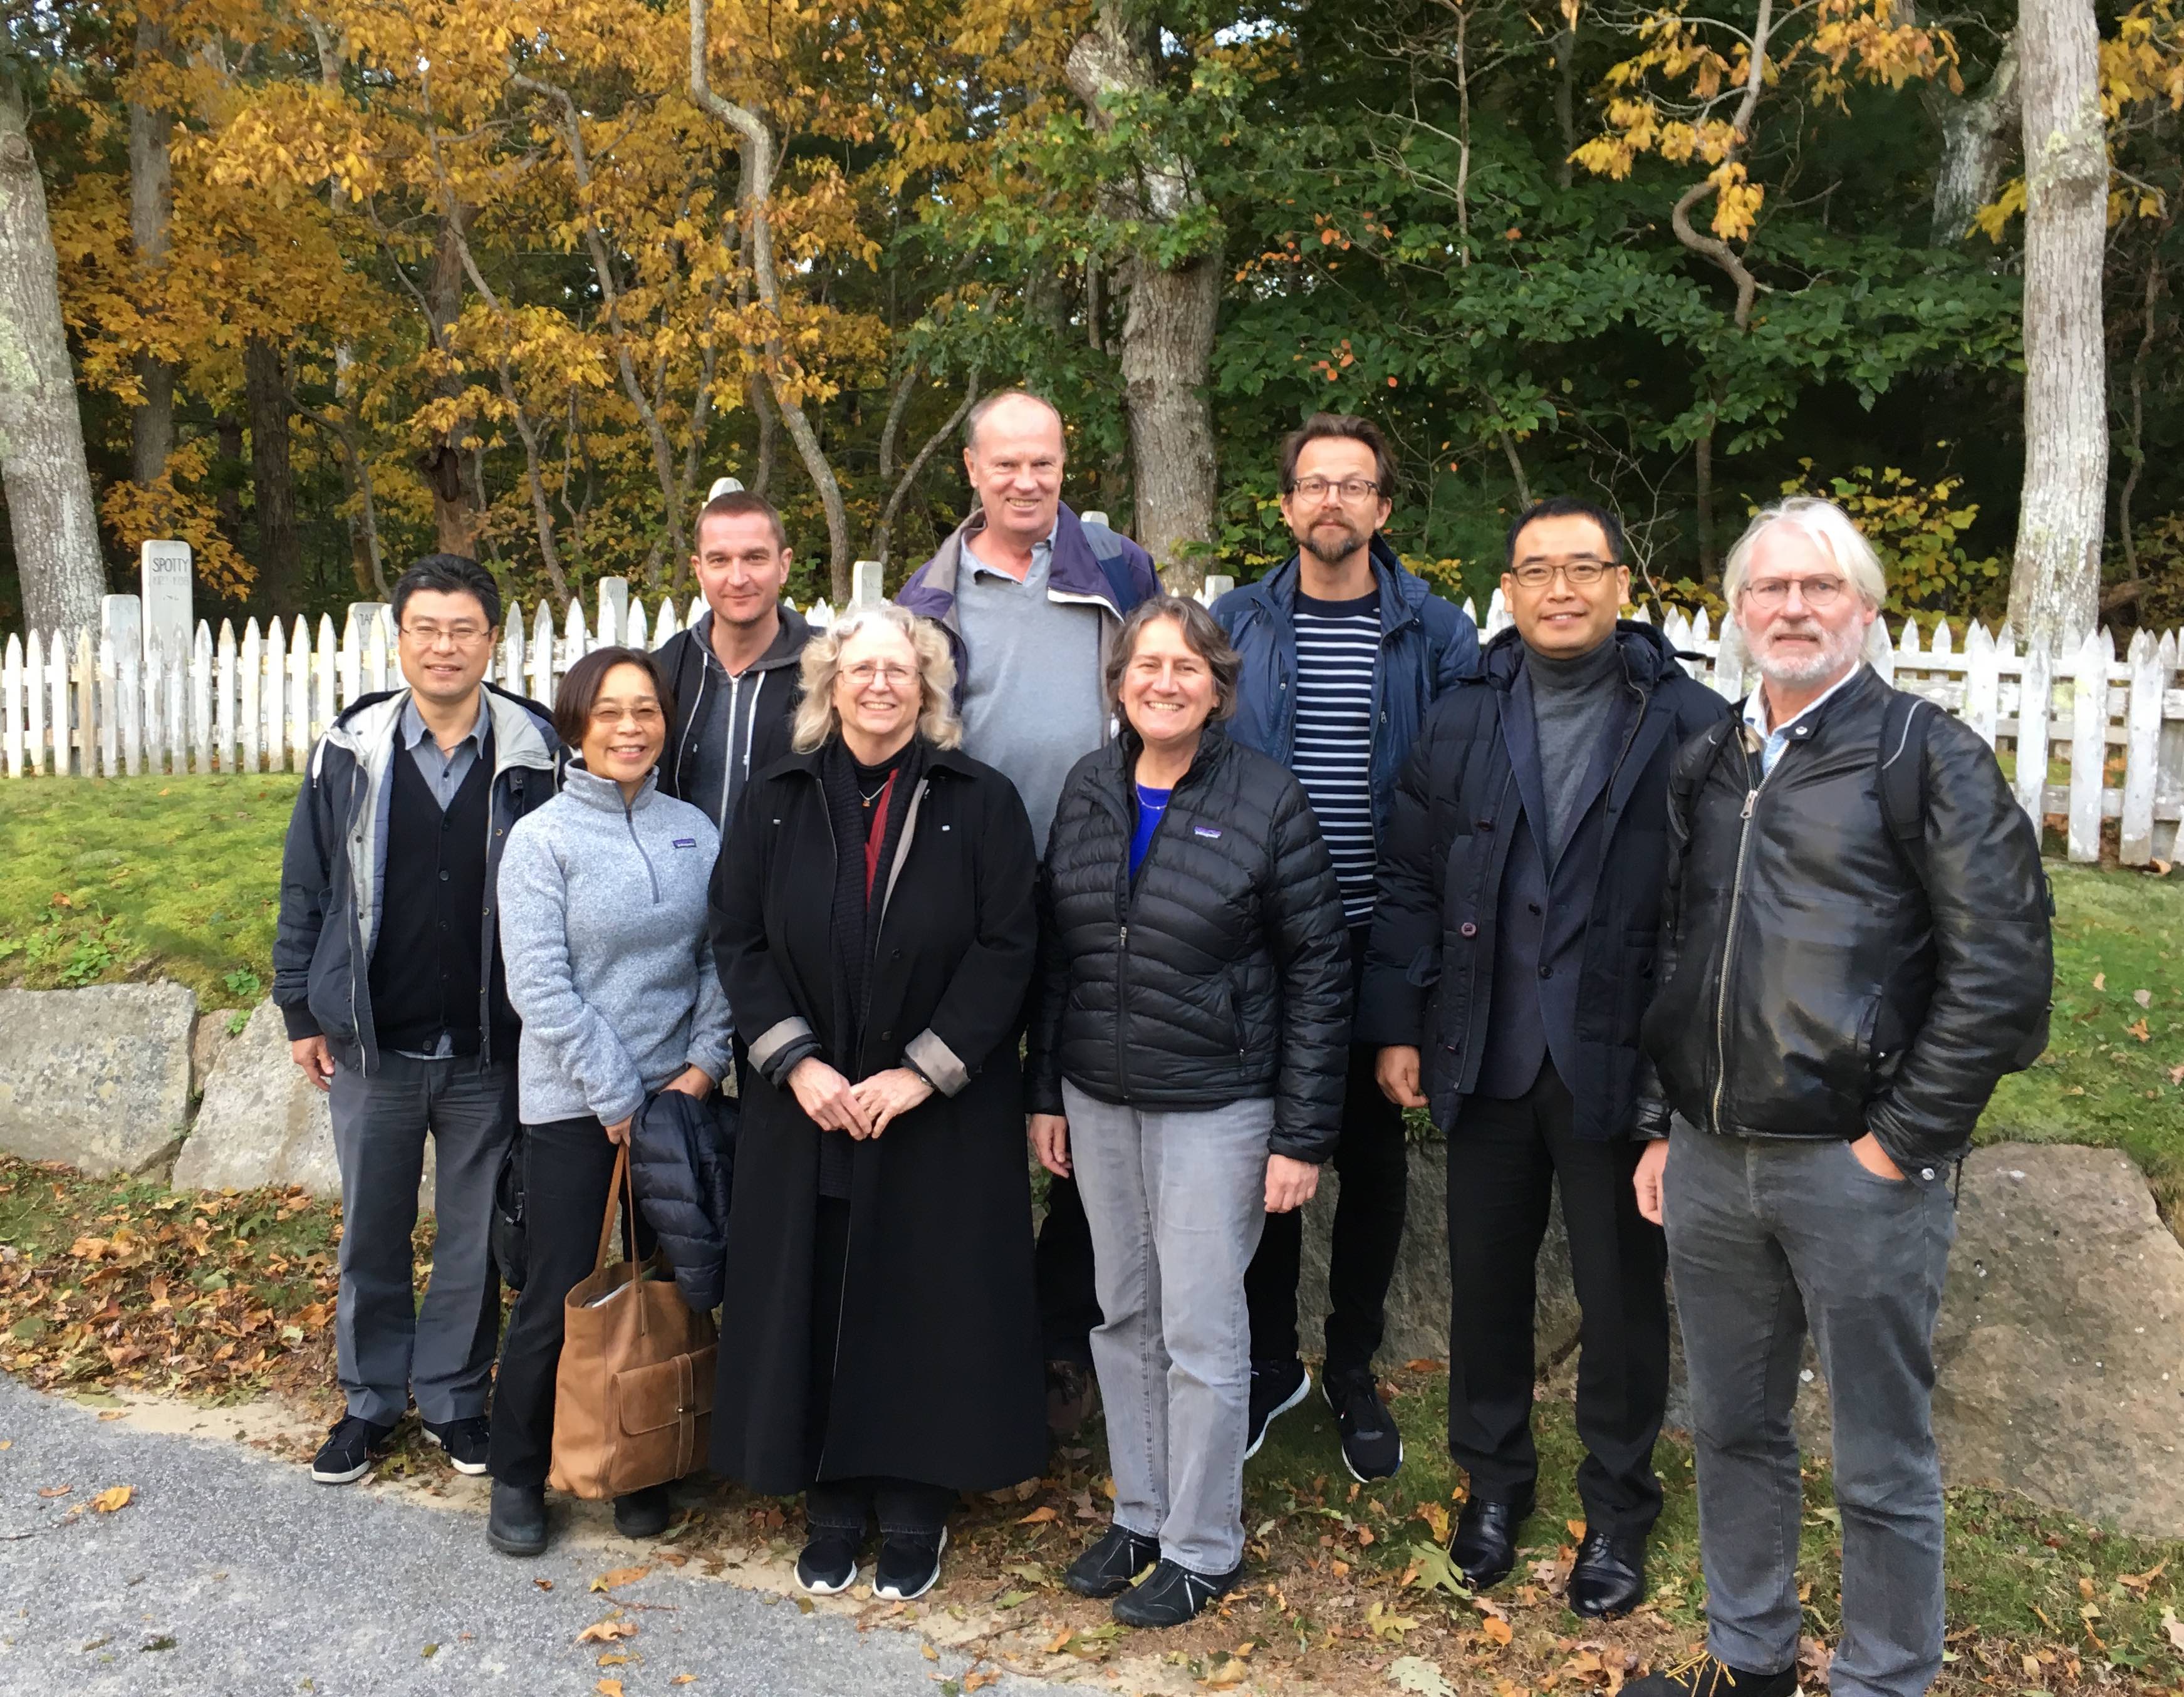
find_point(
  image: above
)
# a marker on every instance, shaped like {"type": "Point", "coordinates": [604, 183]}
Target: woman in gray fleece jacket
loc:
{"type": "Point", "coordinates": [602, 926]}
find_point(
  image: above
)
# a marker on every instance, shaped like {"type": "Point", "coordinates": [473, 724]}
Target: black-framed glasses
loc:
{"type": "Point", "coordinates": [1350, 488]}
{"type": "Point", "coordinates": [1579, 574]}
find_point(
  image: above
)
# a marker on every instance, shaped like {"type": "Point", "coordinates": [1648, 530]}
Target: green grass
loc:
{"type": "Point", "coordinates": [104, 880]}
{"type": "Point", "coordinates": [2114, 1073]}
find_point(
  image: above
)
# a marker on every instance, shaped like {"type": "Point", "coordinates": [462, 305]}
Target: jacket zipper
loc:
{"type": "Point", "coordinates": [356, 947]}
{"type": "Point", "coordinates": [1129, 901]}
{"type": "Point", "coordinates": [629, 818]}
{"type": "Point", "coordinates": [1729, 937]}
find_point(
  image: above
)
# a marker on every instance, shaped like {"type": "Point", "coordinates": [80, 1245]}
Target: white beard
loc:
{"type": "Point", "coordinates": [1838, 651]}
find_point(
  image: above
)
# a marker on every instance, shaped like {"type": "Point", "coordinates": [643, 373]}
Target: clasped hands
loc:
{"type": "Point", "coordinates": [862, 1109]}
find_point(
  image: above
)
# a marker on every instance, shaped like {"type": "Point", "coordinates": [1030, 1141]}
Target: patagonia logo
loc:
{"type": "Point", "coordinates": [686, 843]}
{"type": "Point", "coordinates": [1207, 831]}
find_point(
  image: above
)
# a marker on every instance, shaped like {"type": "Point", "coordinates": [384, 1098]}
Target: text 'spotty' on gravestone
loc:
{"type": "Point", "coordinates": [168, 624]}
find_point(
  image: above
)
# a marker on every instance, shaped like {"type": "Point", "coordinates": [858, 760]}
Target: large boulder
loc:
{"type": "Point", "coordinates": [97, 1077]}
{"type": "Point", "coordinates": [2060, 1351]}
{"type": "Point", "coordinates": [263, 1123]}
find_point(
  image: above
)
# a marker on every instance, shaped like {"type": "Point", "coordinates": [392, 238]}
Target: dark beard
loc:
{"type": "Point", "coordinates": [1330, 553]}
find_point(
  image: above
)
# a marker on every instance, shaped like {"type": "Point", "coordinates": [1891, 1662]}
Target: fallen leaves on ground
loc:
{"type": "Point", "coordinates": [113, 1497]}
{"type": "Point", "coordinates": [607, 1631]}
{"type": "Point", "coordinates": [620, 1576]}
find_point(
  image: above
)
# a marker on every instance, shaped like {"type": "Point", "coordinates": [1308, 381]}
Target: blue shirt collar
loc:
{"type": "Point", "coordinates": [412, 729]}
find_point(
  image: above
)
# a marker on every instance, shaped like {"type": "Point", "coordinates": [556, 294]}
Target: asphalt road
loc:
{"type": "Point", "coordinates": [229, 1574]}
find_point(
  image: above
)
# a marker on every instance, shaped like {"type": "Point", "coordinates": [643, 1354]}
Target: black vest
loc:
{"type": "Point", "coordinates": [425, 964]}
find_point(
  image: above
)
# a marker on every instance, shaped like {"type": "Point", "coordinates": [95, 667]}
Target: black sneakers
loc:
{"type": "Point", "coordinates": [1372, 1447]}
{"type": "Point", "coordinates": [643, 1514]}
{"type": "Point", "coordinates": [909, 1565]}
{"type": "Point", "coordinates": [1106, 1568]}
{"type": "Point", "coordinates": [829, 1562]}
{"type": "Point", "coordinates": [1275, 1390]}
{"type": "Point", "coordinates": [1169, 1595]}
{"type": "Point", "coordinates": [464, 1441]}
{"type": "Point", "coordinates": [352, 1445]}
{"type": "Point", "coordinates": [517, 1523]}
{"type": "Point", "coordinates": [1704, 1677]}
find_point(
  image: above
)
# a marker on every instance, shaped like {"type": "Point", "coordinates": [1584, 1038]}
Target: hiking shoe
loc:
{"type": "Point", "coordinates": [1169, 1595]}
{"type": "Point", "coordinates": [829, 1562]}
{"type": "Point", "coordinates": [1071, 1390]}
{"type": "Point", "coordinates": [1275, 1390]}
{"type": "Point", "coordinates": [352, 1445]}
{"type": "Point", "coordinates": [1107, 1568]}
{"type": "Point", "coordinates": [517, 1523]}
{"type": "Point", "coordinates": [1704, 1677]}
{"type": "Point", "coordinates": [643, 1514]}
{"type": "Point", "coordinates": [464, 1441]}
{"type": "Point", "coordinates": [909, 1565]}
{"type": "Point", "coordinates": [1372, 1447]}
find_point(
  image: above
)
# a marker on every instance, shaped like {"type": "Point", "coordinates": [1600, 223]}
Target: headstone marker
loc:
{"type": "Point", "coordinates": [169, 622]}
{"type": "Point", "coordinates": [866, 589]}
{"type": "Point", "coordinates": [121, 622]}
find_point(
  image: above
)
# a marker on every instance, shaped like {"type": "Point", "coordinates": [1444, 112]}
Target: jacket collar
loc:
{"type": "Point", "coordinates": [786, 648]}
{"type": "Point", "coordinates": [1402, 591]}
{"type": "Point", "coordinates": [936, 760]}
{"type": "Point", "coordinates": [366, 730]}
{"type": "Point", "coordinates": [605, 794]}
{"type": "Point", "coordinates": [1647, 656]}
{"type": "Point", "coordinates": [1072, 575]}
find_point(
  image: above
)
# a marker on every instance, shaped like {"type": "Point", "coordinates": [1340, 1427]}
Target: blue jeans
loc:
{"type": "Point", "coordinates": [1768, 1237]}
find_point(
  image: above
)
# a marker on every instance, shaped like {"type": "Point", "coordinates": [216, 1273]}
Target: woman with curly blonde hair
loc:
{"type": "Point", "coordinates": [874, 927]}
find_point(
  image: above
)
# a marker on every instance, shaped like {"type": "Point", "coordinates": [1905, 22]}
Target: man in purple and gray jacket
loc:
{"type": "Point", "coordinates": [1031, 596]}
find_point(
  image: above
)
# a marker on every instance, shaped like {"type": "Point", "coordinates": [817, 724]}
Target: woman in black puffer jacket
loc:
{"type": "Point", "coordinates": [1188, 1057]}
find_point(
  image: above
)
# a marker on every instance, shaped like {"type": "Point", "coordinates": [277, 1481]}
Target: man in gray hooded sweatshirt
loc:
{"type": "Point", "coordinates": [734, 672]}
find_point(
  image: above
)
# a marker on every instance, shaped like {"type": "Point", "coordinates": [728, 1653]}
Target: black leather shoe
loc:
{"type": "Point", "coordinates": [1485, 1545]}
{"type": "Point", "coordinates": [517, 1524]}
{"type": "Point", "coordinates": [1704, 1677]}
{"type": "Point", "coordinates": [643, 1514]}
{"type": "Point", "coordinates": [1169, 1595]}
{"type": "Point", "coordinates": [1106, 1568]}
{"type": "Point", "coordinates": [1609, 1576]}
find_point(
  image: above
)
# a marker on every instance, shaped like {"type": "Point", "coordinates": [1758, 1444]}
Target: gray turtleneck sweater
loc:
{"type": "Point", "coordinates": [1572, 705]}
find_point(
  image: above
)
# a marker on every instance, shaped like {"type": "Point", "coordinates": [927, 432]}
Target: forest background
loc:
{"type": "Point", "coordinates": [348, 282]}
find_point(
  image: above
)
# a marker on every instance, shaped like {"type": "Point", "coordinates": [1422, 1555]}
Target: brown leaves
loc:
{"type": "Point", "coordinates": [620, 1575]}
{"type": "Point", "coordinates": [2173, 1627]}
{"type": "Point", "coordinates": [113, 1498]}
{"type": "Point", "coordinates": [608, 1631]}
{"type": "Point", "coordinates": [1497, 1630]}
{"type": "Point", "coordinates": [1039, 1515]}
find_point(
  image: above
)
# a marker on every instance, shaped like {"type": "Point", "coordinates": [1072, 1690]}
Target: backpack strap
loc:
{"type": "Point", "coordinates": [1902, 775]}
{"type": "Point", "coordinates": [1687, 778]}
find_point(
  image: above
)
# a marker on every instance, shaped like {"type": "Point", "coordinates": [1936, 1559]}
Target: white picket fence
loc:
{"type": "Point", "coordinates": [2091, 737]}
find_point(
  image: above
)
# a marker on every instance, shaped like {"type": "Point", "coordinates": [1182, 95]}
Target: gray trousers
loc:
{"type": "Point", "coordinates": [1768, 1237]}
{"type": "Point", "coordinates": [385, 1344]}
{"type": "Point", "coordinates": [1176, 1201]}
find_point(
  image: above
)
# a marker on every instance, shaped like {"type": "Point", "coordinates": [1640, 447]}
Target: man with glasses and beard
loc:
{"type": "Point", "coordinates": [1511, 958]}
{"type": "Point", "coordinates": [1343, 653]}
{"type": "Point", "coordinates": [1855, 948]}
{"type": "Point", "coordinates": [387, 967]}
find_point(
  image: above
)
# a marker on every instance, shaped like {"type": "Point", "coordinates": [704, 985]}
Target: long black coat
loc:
{"type": "Point", "coordinates": [937, 1376]}
{"type": "Point", "coordinates": [1429, 969]}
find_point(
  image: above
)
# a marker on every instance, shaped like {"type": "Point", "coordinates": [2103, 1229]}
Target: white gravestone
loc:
{"type": "Point", "coordinates": [168, 625]}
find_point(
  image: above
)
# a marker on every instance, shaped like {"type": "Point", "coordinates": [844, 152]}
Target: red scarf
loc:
{"type": "Point", "coordinates": [876, 833]}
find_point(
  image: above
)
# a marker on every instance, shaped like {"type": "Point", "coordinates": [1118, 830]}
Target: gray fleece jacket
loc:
{"type": "Point", "coordinates": [603, 929]}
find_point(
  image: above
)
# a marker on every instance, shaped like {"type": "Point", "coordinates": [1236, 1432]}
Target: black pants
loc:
{"type": "Point", "coordinates": [1368, 1236]}
{"type": "Point", "coordinates": [1062, 1267]}
{"type": "Point", "coordinates": [567, 1166]}
{"type": "Point", "coordinates": [1503, 1159]}
{"type": "Point", "coordinates": [900, 1505]}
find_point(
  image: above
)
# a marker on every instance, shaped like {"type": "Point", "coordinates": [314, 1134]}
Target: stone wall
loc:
{"type": "Point", "coordinates": [99, 1077]}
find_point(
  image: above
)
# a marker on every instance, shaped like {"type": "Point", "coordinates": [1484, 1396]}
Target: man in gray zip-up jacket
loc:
{"type": "Point", "coordinates": [387, 970]}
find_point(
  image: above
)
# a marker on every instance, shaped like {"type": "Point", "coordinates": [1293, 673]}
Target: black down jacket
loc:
{"type": "Point", "coordinates": [682, 1165]}
{"type": "Point", "coordinates": [1812, 984]}
{"type": "Point", "coordinates": [1220, 973]}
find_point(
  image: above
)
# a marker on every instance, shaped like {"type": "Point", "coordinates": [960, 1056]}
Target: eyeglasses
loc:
{"type": "Point", "coordinates": [1772, 593]}
{"type": "Point", "coordinates": [430, 636]}
{"type": "Point", "coordinates": [1350, 488]}
{"type": "Point", "coordinates": [1579, 574]}
{"type": "Point", "coordinates": [866, 673]}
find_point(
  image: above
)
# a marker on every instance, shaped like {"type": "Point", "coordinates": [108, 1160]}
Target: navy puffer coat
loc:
{"type": "Point", "coordinates": [682, 1164]}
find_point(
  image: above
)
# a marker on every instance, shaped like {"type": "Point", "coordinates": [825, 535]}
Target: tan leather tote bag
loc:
{"type": "Point", "coordinates": [633, 1399]}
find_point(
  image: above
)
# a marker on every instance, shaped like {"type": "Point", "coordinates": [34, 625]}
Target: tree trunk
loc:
{"type": "Point", "coordinates": [1976, 134]}
{"type": "Point", "coordinates": [151, 219]}
{"type": "Point", "coordinates": [1566, 96]}
{"type": "Point", "coordinates": [41, 455]}
{"type": "Point", "coordinates": [2054, 586]}
{"type": "Point", "coordinates": [456, 520]}
{"type": "Point", "coordinates": [1167, 329]}
{"type": "Point", "coordinates": [272, 480]}
{"type": "Point", "coordinates": [1168, 345]}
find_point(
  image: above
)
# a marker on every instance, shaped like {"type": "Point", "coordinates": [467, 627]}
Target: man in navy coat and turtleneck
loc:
{"type": "Point", "coordinates": [1511, 958]}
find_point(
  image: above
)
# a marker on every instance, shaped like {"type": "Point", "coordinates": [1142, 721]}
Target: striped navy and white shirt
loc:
{"type": "Point", "coordinates": [1338, 644]}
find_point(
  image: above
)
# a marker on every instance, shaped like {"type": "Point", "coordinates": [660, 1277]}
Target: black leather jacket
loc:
{"type": "Point", "coordinates": [1220, 973]}
{"type": "Point", "coordinates": [1813, 985]}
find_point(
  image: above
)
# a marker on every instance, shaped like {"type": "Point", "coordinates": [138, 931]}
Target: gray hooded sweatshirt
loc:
{"type": "Point", "coordinates": [603, 929]}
